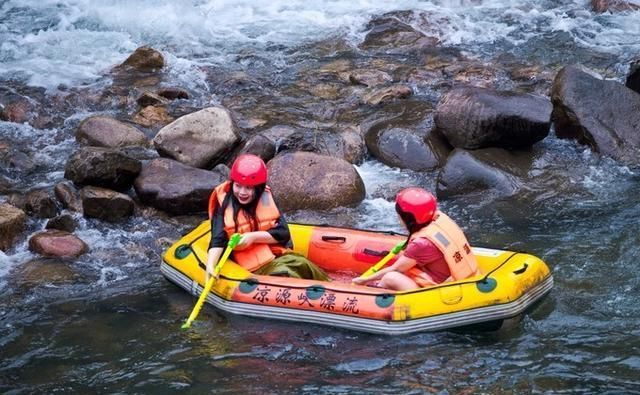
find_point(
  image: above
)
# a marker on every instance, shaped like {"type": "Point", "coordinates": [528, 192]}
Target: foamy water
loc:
{"type": "Point", "coordinates": [49, 43]}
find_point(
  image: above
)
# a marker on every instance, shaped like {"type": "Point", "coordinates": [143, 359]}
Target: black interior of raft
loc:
{"type": "Point", "coordinates": [484, 284]}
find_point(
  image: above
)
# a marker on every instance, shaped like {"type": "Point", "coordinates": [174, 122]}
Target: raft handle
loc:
{"type": "Point", "coordinates": [374, 252]}
{"type": "Point", "coordinates": [521, 270]}
{"type": "Point", "coordinates": [341, 239]}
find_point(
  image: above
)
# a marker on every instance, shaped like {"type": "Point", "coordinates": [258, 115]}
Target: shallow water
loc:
{"type": "Point", "coordinates": [115, 328]}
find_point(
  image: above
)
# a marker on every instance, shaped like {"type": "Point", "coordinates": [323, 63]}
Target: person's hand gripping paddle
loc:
{"type": "Point", "coordinates": [233, 242]}
{"type": "Point", "coordinates": [392, 253]}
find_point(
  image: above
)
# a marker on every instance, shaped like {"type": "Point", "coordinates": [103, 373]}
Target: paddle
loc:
{"type": "Point", "coordinates": [233, 242]}
{"type": "Point", "coordinates": [394, 251]}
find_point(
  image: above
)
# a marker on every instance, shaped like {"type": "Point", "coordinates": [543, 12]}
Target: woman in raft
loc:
{"type": "Point", "coordinates": [436, 251]}
{"type": "Point", "coordinates": [244, 205]}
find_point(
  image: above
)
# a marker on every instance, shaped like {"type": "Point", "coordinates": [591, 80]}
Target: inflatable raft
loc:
{"type": "Point", "coordinates": [510, 283]}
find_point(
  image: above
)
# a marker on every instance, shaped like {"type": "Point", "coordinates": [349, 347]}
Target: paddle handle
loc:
{"type": "Point", "coordinates": [233, 242]}
{"type": "Point", "coordinates": [394, 251]}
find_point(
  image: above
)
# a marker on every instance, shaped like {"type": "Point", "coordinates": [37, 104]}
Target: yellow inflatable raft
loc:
{"type": "Point", "coordinates": [510, 283]}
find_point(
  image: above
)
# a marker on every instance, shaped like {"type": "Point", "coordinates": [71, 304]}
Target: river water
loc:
{"type": "Point", "coordinates": [115, 329]}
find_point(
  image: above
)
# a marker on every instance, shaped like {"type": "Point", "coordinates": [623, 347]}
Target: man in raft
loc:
{"type": "Point", "coordinates": [436, 251]}
{"type": "Point", "coordinates": [244, 205]}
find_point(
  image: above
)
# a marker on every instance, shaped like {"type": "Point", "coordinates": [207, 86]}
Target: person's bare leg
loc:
{"type": "Point", "coordinates": [398, 282]}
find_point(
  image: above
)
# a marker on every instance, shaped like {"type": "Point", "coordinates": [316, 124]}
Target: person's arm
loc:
{"type": "Point", "coordinates": [402, 264]}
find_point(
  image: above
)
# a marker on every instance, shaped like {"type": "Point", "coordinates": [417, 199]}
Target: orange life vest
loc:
{"type": "Point", "coordinates": [451, 241]}
{"type": "Point", "coordinates": [267, 215]}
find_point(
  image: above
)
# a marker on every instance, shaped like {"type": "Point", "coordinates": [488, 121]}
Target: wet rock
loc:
{"type": "Point", "coordinates": [153, 116]}
{"type": "Point", "coordinates": [633, 79]}
{"type": "Point", "coordinates": [102, 131]}
{"type": "Point", "coordinates": [42, 271]}
{"type": "Point", "coordinates": [68, 196]}
{"type": "Point", "coordinates": [57, 243]}
{"type": "Point", "coordinates": [326, 91]}
{"type": "Point", "coordinates": [6, 185]}
{"type": "Point", "coordinates": [390, 32]}
{"type": "Point", "coordinates": [12, 222]}
{"type": "Point", "coordinates": [407, 148]}
{"type": "Point", "coordinates": [492, 170]}
{"type": "Point", "coordinates": [106, 204]}
{"type": "Point", "coordinates": [151, 99]}
{"type": "Point", "coordinates": [614, 5]}
{"type": "Point", "coordinates": [198, 139]}
{"type": "Point", "coordinates": [367, 77]}
{"type": "Point", "coordinates": [473, 118]}
{"type": "Point", "coordinates": [145, 59]}
{"type": "Point", "coordinates": [259, 145]}
{"type": "Point", "coordinates": [63, 222]}
{"type": "Point", "coordinates": [174, 187]}
{"type": "Point", "coordinates": [17, 111]}
{"type": "Point", "coordinates": [347, 144]}
{"type": "Point", "coordinates": [602, 114]}
{"type": "Point", "coordinates": [39, 203]}
{"type": "Point", "coordinates": [172, 93]}
{"type": "Point", "coordinates": [304, 180]}
{"type": "Point", "coordinates": [103, 167]}
{"type": "Point", "coordinates": [380, 95]}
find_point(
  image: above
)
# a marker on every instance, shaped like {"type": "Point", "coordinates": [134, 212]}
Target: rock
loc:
{"type": "Point", "coordinates": [304, 180]}
{"type": "Point", "coordinates": [17, 111]}
{"type": "Point", "coordinates": [145, 59]}
{"type": "Point", "coordinates": [491, 170]}
{"type": "Point", "coordinates": [102, 131]}
{"type": "Point", "coordinates": [380, 95]}
{"type": "Point", "coordinates": [389, 32]}
{"type": "Point", "coordinates": [39, 203]}
{"type": "Point", "coordinates": [261, 146]}
{"type": "Point", "coordinates": [6, 186]}
{"type": "Point", "coordinates": [106, 204]}
{"type": "Point", "coordinates": [68, 196]}
{"type": "Point", "coordinates": [173, 93]}
{"type": "Point", "coordinates": [473, 118]}
{"type": "Point", "coordinates": [63, 222]}
{"type": "Point", "coordinates": [12, 222]}
{"type": "Point", "coordinates": [57, 243]}
{"type": "Point", "coordinates": [176, 188]}
{"type": "Point", "coordinates": [152, 116]}
{"type": "Point", "coordinates": [198, 139]}
{"type": "Point", "coordinates": [102, 167]}
{"type": "Point", "coordinates": [601, 114]}
{"type": "Point", "coordinates": [368, 77]}
{"type": "Point", "coordinates": [151, 99]}
{"type": "Point", "coordinates": [614, 5]}
{"type": "Point", "coordinates": [407, 148]}
{"type": "Point", "coordinates": [633, 79]}
{"type": "Point", "coordinates": [42, 271]}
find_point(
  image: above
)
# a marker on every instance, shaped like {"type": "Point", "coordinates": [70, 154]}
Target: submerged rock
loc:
{"type": "Point", "coordinates": [45, 271]}
{"type": "Point", "coordinates": [614, 5]}
{"type": "Point", "coordinates": [304, 180]}
{"type": "Point", "coordinates": [145, 59]}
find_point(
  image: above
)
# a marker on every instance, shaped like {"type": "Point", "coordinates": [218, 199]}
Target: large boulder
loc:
{"type": "Point", "coordinates": [304, 180]}
{"type": "Point", "coordinates": [103, 131]}
{"type": "Point", "coordinates": [473, 118]}
{"type": "Point", "coordinates": [198, 139]}
{"type": "Point", "coordinates": [12, 222]}
{"type": "Point", "coordinates": [105, 204]}
{"type": "Point", "coordinates": [103, 167]}
{"type": "Point", "coordinates": [633, 79]}
{"type": "Point", "coordinates": [494, 171]}
{"type": "Point", "coordinates": [176, 188]}
{"type": "Point", "coordinates": [57, 243]}
{"type": "Point", "coordinates": [602, 114]}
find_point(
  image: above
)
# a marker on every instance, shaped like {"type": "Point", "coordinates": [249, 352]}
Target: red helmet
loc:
{"type": "Point", "coordinates": [419, 203]}
{"type": "Point", "coordinates": [248, 169]}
